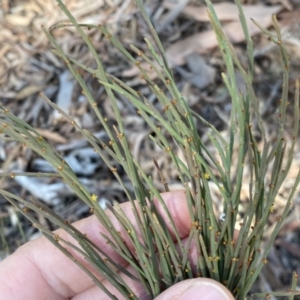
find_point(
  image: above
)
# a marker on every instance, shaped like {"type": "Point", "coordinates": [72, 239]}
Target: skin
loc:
{"type": "Point", "coordinates": [38, 270]}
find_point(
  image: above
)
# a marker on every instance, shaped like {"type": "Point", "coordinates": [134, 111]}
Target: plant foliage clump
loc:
{"type": "Point", "coordinates": [235, 262]}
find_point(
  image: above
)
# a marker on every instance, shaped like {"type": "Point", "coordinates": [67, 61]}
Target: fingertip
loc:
{"type": "Point", "coordinates": [197, 289]}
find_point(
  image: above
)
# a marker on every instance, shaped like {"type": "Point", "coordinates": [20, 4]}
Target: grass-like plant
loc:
{"type": "Point", "coordinates": [159, 259]}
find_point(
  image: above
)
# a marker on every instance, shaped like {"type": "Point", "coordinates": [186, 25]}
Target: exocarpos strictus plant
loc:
{"type": "Point", "coordinates": [158, 257]}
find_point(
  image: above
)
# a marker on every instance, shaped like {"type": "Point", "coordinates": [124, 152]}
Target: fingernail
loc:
{"type": "Point", "coordinates": [204, 291]}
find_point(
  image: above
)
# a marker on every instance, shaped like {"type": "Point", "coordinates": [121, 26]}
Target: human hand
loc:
{"type": "Point", "coordinates": [38, 270]}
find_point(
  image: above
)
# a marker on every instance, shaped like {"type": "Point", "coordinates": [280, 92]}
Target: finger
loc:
{"type": "Point", "coordinates": [54, 275]}
{"type": "Point", "coordinates": [136, 287]}
{"type": "Point", "coordinates": [212, 288]}
{"type": "Point", "coordinates": [94, 293]}
{"type": "Point", "coordinates": [196, 289]}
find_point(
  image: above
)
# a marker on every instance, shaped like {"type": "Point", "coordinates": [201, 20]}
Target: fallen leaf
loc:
{"type": "Point", "coordinates": [19, 20]}
{"type": "Point", "coordinates": [64, 96]}
{"type": "Point", "coordinates": [201, 42]}
{"type": "Point", "coordinates": [201, 75]}
{"type": "Point", "coordinates": [28, 91]}
{"type": "Point", "coordinates": [53, 136]}
{"type": "Point", "coordinates": [226, 11]}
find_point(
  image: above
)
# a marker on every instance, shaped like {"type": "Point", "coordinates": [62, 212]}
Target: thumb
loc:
{"type": "Point", "coordinates": [196, 289]}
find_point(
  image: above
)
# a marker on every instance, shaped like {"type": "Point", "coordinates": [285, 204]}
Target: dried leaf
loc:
{"type": "Point", "coordinates": [19, 20]}
{"type": "Point", "coordinates": [28, 91]}
{"type": "Point", "coordinates": [227, 11]}
{"type": "Point", "coordinates": [201, 74]}
{"type": "Point", "coordinates": [64, 97]}
{"type": "Point", "coordinates": [53, 136]}
{"type": "Point", "coordinates": [203, 41]}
